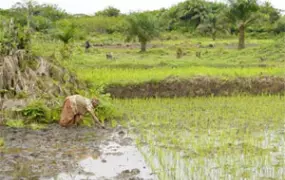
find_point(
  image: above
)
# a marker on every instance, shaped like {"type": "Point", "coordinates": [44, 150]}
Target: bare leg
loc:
{"type": "Point", "coordinates": [77, 119]}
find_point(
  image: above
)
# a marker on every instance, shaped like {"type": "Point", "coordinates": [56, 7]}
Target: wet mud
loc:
{"type": "Point", "coordinates": [71, 153]}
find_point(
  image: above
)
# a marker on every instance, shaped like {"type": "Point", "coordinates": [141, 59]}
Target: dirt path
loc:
{"type": "Point", "coordinates": [74, 153]}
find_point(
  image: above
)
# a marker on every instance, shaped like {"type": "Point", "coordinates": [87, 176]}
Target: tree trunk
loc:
{"type": "Point", "coordinates": [241, 43]}
{"type": "Point", "coordinates": [143, 46]}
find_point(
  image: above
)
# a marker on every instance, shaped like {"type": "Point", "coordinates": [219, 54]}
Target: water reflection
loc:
{"type": "Point", "coordinates": [115, 162]}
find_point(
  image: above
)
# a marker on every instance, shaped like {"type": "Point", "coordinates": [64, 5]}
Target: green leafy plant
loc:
{"type": "Point", "coordinates": [142, 26]}
{"type": "Point", "coordinates": [66, 33]}
{"type": "Point", "coordinates": [36, 112]}
{"type": "Point", "coordinates": [106, 110]}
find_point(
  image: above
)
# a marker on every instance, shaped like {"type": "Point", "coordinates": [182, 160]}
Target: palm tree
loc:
{"type": "Point", "coordinates": [242, 12]}
{"type": "Point", "coordinates": [142, 26]}
{"type": "Point", "coordinates": [66, 34]}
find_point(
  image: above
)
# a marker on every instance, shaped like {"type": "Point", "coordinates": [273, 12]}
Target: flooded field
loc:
{"type": "Point", "coordinates": [240, 137]}
{"type": "Point", "coordinates": [184, 138]}
{"type": "Point", "coordinates": [75, 153]}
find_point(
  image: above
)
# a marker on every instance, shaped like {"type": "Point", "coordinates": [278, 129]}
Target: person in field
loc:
{"type": "Point", "coordinates": [75, 107]}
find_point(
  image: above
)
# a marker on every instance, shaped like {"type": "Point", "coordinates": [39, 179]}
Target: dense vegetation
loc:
{"type": "Point", "coordinates": [196, 17]}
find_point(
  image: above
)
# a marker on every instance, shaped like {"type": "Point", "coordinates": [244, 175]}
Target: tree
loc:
{"type": "Point", "coordinates": [279, 26]}
{"type": "Point", "coordinates": [142, 26]}
{"type": "Point", "coordinates": [65, 34]}
{"type": "Point", "coordinates": [39, 17]}
{"type": "Point", "coordinates": [193, 11]}
{"type": "Point", "coordinates": [212, 25]}
{"type": "Point", "coordinates": [25, 10]}
{"type": "Point", "coordinates": [109, 11]}
{"type": "Point", "coordinates": [243, 13]}
{"type": "Point", "coordinates": [269, 10]}
{"type": "Point", "coordinates": [214, 22]}
{"type": "Point", "coordinates": [14, 37]}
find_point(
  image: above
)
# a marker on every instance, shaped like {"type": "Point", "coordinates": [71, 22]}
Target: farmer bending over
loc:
{"type": "Point", "coordinates": [75, 107]}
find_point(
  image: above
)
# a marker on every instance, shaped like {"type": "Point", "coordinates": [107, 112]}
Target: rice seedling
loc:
{"type": "Point", "coordinates": [217, 137]}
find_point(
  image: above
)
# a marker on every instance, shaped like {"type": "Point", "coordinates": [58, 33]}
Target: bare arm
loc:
{"type": "Point", "coordinates": [96, 119]}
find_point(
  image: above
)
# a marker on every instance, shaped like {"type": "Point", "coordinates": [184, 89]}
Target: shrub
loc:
{"type": "Point", "coordinates": [279, 26]}
{"type": "Point", "coordinates": [36, 112]}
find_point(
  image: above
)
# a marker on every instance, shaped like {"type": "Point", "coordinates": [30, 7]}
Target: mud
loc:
{"type": "Point", "coordinates": [200, 86]}
{"type": "Point", "coordinates": [70, 153]}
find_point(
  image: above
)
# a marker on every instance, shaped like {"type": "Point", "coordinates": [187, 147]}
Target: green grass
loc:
{"type": "Point", "coordinates": [210, 137]}
{"type": "Point", "coordinates": [15, 123]}
{"type": "Point", "coordinates": [130, 66]}
{"type": "Point", "coordinates": [37, 126]}
{"type": "Point", "coordinates": [264, 57]}
{"type": "Point", "coordinates": [126, 76]}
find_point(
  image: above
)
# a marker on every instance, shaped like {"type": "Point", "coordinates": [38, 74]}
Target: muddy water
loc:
{"type": "Point", "coordinates": [73, 153]}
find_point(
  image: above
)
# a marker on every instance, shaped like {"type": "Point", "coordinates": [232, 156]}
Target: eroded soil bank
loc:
{"type": "Point", "coordinates": [200, 86]}
{"type": "Point", "coordinates": [73, 153]}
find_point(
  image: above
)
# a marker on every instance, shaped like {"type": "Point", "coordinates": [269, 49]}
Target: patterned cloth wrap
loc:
{"type": "Point", "coordinates": [73, 109]}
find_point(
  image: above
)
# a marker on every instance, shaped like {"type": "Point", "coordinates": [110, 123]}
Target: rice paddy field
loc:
{"type": "Point", "coordinates": [211, 138]}
{"type": "Point", "coordinates": [234, 137]}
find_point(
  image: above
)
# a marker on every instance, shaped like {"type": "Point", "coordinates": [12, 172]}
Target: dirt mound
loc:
{"type": "Point", "coordinates": [26, 77]}
{"type": "Point", "coordinates": [200, 86]}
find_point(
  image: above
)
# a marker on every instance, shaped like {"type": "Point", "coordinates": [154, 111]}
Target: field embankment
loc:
{"type": "Point", "coordinates": [200, 86]}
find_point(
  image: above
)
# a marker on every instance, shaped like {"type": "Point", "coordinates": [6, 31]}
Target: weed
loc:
{"type": "Point", "coordinates": [2, 143]}
{"type": "Point", "coordinates": [36, 126]}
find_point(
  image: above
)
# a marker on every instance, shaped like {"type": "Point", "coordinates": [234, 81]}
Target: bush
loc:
{"type": "Point", "coordinates": [279, 26]}
{"type": "Point", "coordinates": [36, 112]}
{"type": "Point", "coordinates": [41, 24]}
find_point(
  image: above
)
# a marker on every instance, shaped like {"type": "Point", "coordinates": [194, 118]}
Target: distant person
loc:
{"type": "Point", "coordinates": [109, 55]}
{"type": "Point", "coordinates": [87, 46]}
{"type": "Point", "coordinates": [75, 107]}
